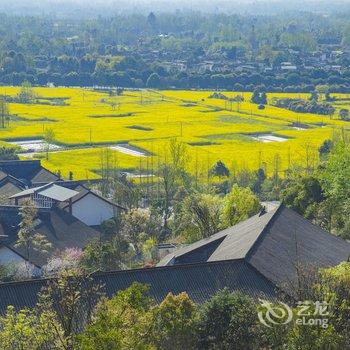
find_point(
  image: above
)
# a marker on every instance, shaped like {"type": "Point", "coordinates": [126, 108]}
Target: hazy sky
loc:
{"type": "Point", "coordinates": [86, 8]}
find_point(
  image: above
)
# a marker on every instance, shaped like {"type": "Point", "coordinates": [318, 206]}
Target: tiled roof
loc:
{"type": "Point", "coordinates": [255, 257]}
{"type": "Point", "coordinates": [51, 190]}
{"type": "Point", "coordinates": [274, 243]}
{"type": "Point", "coordinates": [29, 171]}
{"type": "Point", "coordinates": [59, 227]}
{"type": "Point", "coordinates": [200, 281]}
{"type": "Point", "coordinates": [291, 240]}
{"type": "Point", "coordinates": [8, 189]}
{"type": "Point", "coordinates": [234, 241]}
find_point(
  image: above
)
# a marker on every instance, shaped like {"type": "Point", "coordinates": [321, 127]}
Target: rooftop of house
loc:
{"type": "Point", "coordinates": [19, 179]}
{"type": "Point", "coordinates": [82, 192]}
{"type": "Point", "coordinates": [273, 243]}
{"type": "Point", "coordinates": [60, 228]}
{"type": "Point", "coordinates": [257, 256]}
{"type": "Point", "coordinates": [200, 281]}
{"type": "Point", "coordinates": [8, 188]}
{"type": "Point", "coordinates": [50, 190]}
{"type": "Point", "coordinates": [30, 172]}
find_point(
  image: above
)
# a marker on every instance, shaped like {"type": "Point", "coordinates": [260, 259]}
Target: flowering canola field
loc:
{"type": "Point", "coordinates": [212, 129]}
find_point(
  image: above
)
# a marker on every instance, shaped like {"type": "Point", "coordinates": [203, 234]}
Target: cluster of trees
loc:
{"type": "Point", "coordinates": [303, 106]}
{"type": "Point", "coordinates": [322, 195]}
{"type": "Point", "coordinates": [138, 73]}
{"type": "Point", "coordinates": [73, 314]}
{"type": "Point", "coordinates": [259, 96]}
{"type": "Point", "coordinates": [344, 114]}
{"type": "Point", "coordinates": [320, 191]}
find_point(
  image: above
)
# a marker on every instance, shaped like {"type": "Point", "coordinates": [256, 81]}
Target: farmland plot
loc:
{"type": "Point", "coordinates": [135, 129]}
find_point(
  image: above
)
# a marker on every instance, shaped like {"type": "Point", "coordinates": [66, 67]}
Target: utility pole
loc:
{"type": "Point", "coordinates": [140, 175]}
{"type": "Point", "coordinates": [208, 175]}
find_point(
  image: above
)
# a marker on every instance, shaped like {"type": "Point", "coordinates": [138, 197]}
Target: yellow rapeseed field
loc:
{"type": "Point", "coordinates": [212, 129]}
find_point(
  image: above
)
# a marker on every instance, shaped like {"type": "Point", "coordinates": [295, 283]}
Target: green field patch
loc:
{"type": "Point", "coordinates": [38, 100]}
{"type": "Point", "coordinates": [139, 127]}
{"type": "Point", "coordinates": [120, 115]}
{"type": "Point", "coordinates": [203, 143]}
{"type": "Point", "coordinates": [15, 117]}
{"type": "Point", "coordinates": [228, 136]}
{"type": "Point", "coordinates": [211, 110]}
{"type": "Point", "coordinates": [234, 119]}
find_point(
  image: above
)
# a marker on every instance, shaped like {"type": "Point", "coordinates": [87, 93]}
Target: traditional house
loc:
{"type": "Point", "coordinates": [60, 229]}
{"type": "Point", "coordinates": [89, 207]}
{"type": "Point", "coordinates": [257, 256]}
{"type": "Point", "coordinates": [274, 243]}
{"type": "Point", "coordinates": [82, 203]}
{"type": "Point", "coordinates": [20, 180]}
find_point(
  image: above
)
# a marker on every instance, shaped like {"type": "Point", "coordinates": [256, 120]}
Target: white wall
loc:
{"type": "Point", "coordinates": [92, 210]}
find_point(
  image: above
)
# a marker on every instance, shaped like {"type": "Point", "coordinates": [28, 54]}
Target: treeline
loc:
{"type": "Point", "coordinates": [303, 106]}
{"type": "Point", "coordinates": [73, 314]}
{"type": "Point", "coordinates": [136, 73]}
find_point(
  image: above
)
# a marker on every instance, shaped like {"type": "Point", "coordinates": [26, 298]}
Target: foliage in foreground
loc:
{"type": "Point", "coordinates": [68, 318]}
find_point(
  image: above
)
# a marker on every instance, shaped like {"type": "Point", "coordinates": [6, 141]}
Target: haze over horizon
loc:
{"type": "Point", "coordinates": [106, 8]}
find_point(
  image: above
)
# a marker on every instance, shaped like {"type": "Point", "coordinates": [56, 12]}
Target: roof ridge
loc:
{"type": "Point", "coordinates": [260, 236]}
{"type": "Point", "coordinates": [14, 161]}
{"type": "Point", "coordinates": [47, 170]}
{"type": "Point", "coordinates": [119, 272]}
{"type": "Point", "coordinates": [43, 187]}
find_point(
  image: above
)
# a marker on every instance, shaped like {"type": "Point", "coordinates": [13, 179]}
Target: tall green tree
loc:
{"type": "Point", "coordinates": [174, 323]}
{"type": "Point", "coordinates": [49, 138]}
{"type": "Point", "coordinates": [202, 212]}
{"type": "Point", "coordinates": [239, 205]}
{"type": "Point", "coordinates": [122, 322]}
{"type": "Point", "coordinates": [68, 303]}
{"type": "Point", "coordinates": [335, 181]}
{"type": "Point", "coordinates": [27, 93]}
{"type": "Point", "coordinates": [228, 321]}
{"type": "Point", "coordinates": [28, 237]}
{"type": "Point", "coordinates": [26, 330]}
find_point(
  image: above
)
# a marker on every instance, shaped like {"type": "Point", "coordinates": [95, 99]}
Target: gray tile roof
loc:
{"type": "Point", "coordinates": [29, 171]}
{"type": "Point", "coordinates": [200, 281]}
{"type": "Point", "coordinates": [58, 193]}
{"type": "Point", "coordinates": [290, 240]}
{"type": "Point", "coordinates": [59, 227]}
{"type": "Point", "coordinates": [256, 257]}
{"type": "Point", "coordinates": [8, 189]}
{"type": "Point", "coordinates": [232, 243]}
{"type": "Point", "coordinates": [241, 237]}
{"type": "Point", "coordinates": [274, 243]}
{"type": "Point", "coordinates": [51, 190]}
